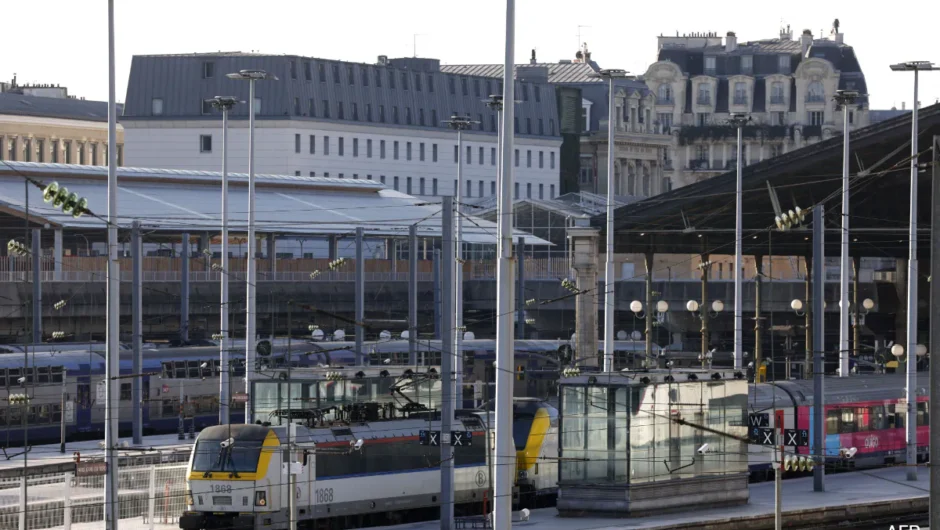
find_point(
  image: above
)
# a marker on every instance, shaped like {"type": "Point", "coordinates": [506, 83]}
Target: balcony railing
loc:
{"type": "Point", "coordinates": [739, 100]}
{"type": "Point", "coordinates": [666, 101]}
{"type": "Point", "coordinates": [815, 98]}
{"type": "Point", "coordinates": [777, 100]}
{"type": "Point", "coordinates": [703, 100]}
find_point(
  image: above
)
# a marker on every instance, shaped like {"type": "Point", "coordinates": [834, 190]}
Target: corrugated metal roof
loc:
{"type": "Point", "coordinates": [48, 107]}
{"type": "Point", "coordinates": [557, 72]}
{"type": "Point", "coordinates": [190, 200]}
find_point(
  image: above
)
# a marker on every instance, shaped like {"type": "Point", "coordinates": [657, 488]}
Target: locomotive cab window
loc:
{"type": "Point", "coordinates": [923, 417]}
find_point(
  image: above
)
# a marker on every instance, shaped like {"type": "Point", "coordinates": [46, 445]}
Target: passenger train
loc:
{"type": "Point", "coordinates": [376, 472]}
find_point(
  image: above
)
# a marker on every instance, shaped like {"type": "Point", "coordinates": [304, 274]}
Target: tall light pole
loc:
{"type": "Point", "coordinates": [251, 76]}
{"type": "Point", "coordinates": [844, 98]}
{"type": "Point", "coordinates": [609, 284]}
{"type": "Point", "coordinates": [911, 347]}
{"type": "Point", "coordinates": [505, 454]}
{"type": "Point", "coordinates": [738, 121]}
{"type": "Point", "coordinates": [458, 123]}
{"type": "Point", "coordinates": [113, 345]}
{"type": "Point", "coordinates": [224, 103]}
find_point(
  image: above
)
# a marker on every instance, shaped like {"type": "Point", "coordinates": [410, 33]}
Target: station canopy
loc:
{"type": "Point", "coordinates": [175, 201]}
{"type": "Point", "coordinates": [700, 217]}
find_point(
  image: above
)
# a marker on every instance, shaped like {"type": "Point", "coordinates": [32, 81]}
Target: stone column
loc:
{"type": "Point", "coordinates": [584, 256]}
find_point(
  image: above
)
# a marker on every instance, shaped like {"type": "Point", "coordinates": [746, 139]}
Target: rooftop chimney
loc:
{"type": "Point", "coordinates": [731, 42]}
{"type": "Point", "coordinates": [532, 60]}
{"type": "Point", "coordinates": [786, 34]}
{"type": "Point", "coordinates": [806, 40]}
{"type": "Point", "coordinates": [903, 105]}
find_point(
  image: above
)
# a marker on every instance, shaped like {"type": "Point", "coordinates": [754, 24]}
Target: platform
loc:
{"type": "Point", "coordinates": [882, 493]}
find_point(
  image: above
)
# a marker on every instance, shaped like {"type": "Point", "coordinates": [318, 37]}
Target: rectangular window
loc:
{"type": "Point", "coordinates": [463, 86]}
{"type": "Point", "coordinates": [340, 115]}
{"type": "Point", "coordinates": [476, 87]}
{"type": "Point", "coordinates": [492, 156]}
{"type": "Point", "coordinates": [480, 189]}
{"type": "Point", "coordinates": [381, 112]}
{"type": "Point", "coordinates": [747, 64]}
{"type": "Point", "coordinates": [528, 125]}
{"type": "Point", "coordinates": [68, 151]}
{"type": "Point", "coordinates": [312, 111]}
{"type": "Point", "coordinates": [407, 150]}
{"type": "Point", "coordinates": [326, 145]}
{"type": "Point", "coordinates": [404, 80]}
{"type": "Point", "coordinates": [313, 144]}
{"type": "Point", "coordinates": [41, 151]}
{"type": "Point", "coordinates": [355, 147]}
{"type": "Point", "coordinates": [469, 188]}
{"type": "Point", "coordinates": [349, 75]}
{"type": "Point", "coordinates": [517, 158]}
{"type": "Point", "coordinates": [408, 115]}
{"type": "Point", "coordinates": [307, 73]}
{"type": "Point", "coordinates": [326, 174]}
{"type": "Point", "coordinates": [382, 177]}
{"type": "Point", "coordinates": [378, 78]}
{"type": "Point", "coordinates": [297, 173]}
{"type": "Point", "coordinates": [55, 152]}
{"type": "Point", "coordinates": [421, 151]}
{"type": "Point", "coordinates": [382, 149]}
{"type": "Point", "coordinates": [430, 83]}
{"type": "Point", "coordinates": [421, 186]}
{"type": "Point", "coordinates": [541, 159]}
{"type": "Point", "coordinates": [783, 64]}
{"type": "Point", "coordinates": [551, 160]}
{"type": "Point", "coordinates": [355, 111]}
{"type": "Point", "coordinates": [551, 127]}
{"type": "Point", "coordinates": [434, 154]}
{"type": "Point", "coordinates": [313, 173]}
{"type": "Point", "coordinates": [541, 187]}
{"type": "Point", "coordinates": [368, 148]}
{"type": "Point", "coordinates": [551, 191]}
{"type": "Point", "coordinates": [326, 108]}
{"type": "Point", "coordinates": [452, 85]}
{"type": "Point", "coordinates": [538, 94]}
{"type": "Point", "coordinates": [321, 72]}
{"type": "Point", "coordinates": [434, 122]}
{"type": "Point", "coordinates": [456, 154]}
{"type": "Point", "coordinates": [395, 114]}
{"type": "Point", "coordinates": [395, 150]}
{"type": "Point", "coordinates": [493, 123]}
{"type": "Point", "coordinates": [541, 127]}
{"type": "Point", "coordinates": [208, 69]}
{"type": "Point", "coordinates": [365, 77]}
{"type": "Point", "coordinates": [296, 143]}
{"type": "Point", "coordinates": [434, 187]}
{"type": "Point", "coordinates": [480, 159]}
{"type": "Point", "coordinates": [156, 106]}
{"type": "Point", "coordinates": [335, 68]}
{"type": "Point", "coordinates": [368, 112]}
{"type": "Point", "coordinates": [206, 107]}
{"type": "Point", "coordinates": [516, 191]}
{"type": "Point", "coordinates": [417, 82]}
{"type": "Point", "coordinates": [480, 121]}
{"type": "Point", "coordinates": [515, 125]}
{"type": "Point", "coordinates": [469, 160]}
{"type": "Point", "coordinates": [528, 190]}
{"type": "Point", "coordinates": [493, 187]}
{"type": "Point", "coordinates": [205, 143]}
{"type": "Point", "coordinates": [525, 92]}
{"type": "Point", "coordinates": [340, 146]}
{"type": "Point", "coordinates": [710, 65]}
{"type": "Point", "coordinates": [816, 118]}
{"type": "Point", "coordinates": [395, 180]}
{"type": "Point", "coordinates": [408, 185]}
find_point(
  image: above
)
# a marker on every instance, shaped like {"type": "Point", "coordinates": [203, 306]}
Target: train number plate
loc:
{"type": "Point", "coordinates": [221, 500]}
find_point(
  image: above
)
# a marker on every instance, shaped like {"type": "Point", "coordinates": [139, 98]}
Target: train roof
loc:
{"type": "Point", "coordinates": [853, 389]}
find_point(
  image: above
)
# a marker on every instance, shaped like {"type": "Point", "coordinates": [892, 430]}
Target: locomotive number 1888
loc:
{"type": "Point", "coordinates": [324, 495]}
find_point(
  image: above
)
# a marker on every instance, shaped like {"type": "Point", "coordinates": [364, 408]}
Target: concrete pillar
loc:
{"type": "Point", "coordinates": [184, 289]}
{"type": "Point", "coordinates": [711, 157]}
{"type": "Point", "coordinates": [333, 244]}
{"type": "Point", "coordinates": [900, 318]}
{"type": "Point", "coordinates": [272, 254]}
{"type": "Point", "coordinates": [584, 255]}
{"type": "Point", "coordinates": [57, 255]}
{"type": "Point", "coordinates": [393, 254]}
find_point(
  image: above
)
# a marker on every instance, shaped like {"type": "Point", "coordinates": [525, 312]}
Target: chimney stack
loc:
{"type": "Point", "coordinates": [731, 42]}
{"type": "Point", "coordinates": [806, 40]}
{"type": "Point", "coordinates": [903, 105]}
{"type": "Point", "coordinates": [532, 60]}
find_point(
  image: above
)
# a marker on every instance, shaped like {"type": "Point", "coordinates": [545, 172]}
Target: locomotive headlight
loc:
{"type": "Point", "coordinates": [523, 474]}
{"type": "Point", "coordinates": [261, 498]}
{"type": "Point", "coordinates": [189, 497]}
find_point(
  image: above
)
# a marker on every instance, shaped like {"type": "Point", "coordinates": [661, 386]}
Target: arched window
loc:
{"type": "Point", "coordinates": [664, 93]}
{"type": "Point", "coordinates": [815, 92]}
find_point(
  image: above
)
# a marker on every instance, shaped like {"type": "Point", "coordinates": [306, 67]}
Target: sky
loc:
{"type": "Point", "coordinates": [65, 41]}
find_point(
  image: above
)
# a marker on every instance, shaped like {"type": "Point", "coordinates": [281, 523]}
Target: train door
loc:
{"type": "Point", "coordinates": [83, 399]}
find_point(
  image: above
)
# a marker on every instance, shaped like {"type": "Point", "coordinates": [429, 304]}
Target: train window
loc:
{"type": "Point", "coordinates": [849, 422]}
{"type": "Point", "coordinates": [3, 417]}
{"type": "Point", "coordinates": [167, 370]}
{"type": "Point", "coordinates": [832, 421]}
{"type": "Point", "coordinates": [895, 416]}
{"type": "Point", "coordinates": [30, 373]}
{"type": "Point", "coordinates": [83, 395]}
{"type": "Point", "coordinates": [862, 419]}
{"type": "Point", "coordinates": [170, 407]}
{"type": "Point", "coordinates": [206, 370]}
{"type": "Point", "coordinates": [876, 420]}
{"type": "Point", "coordinates": [179, 368]}
{"type": "Point", "coordinates": [56, 410]}
{"type": "Point", "coordinates": [923, 417]}
{"type": "Point", "coordinates": [193, 369]}
{"type": "Point", "coordinates": [42, 375]}
{"type": "Point", "coordinates": [3, 377]}
{"type": "Point", "coordinates": [57, 374]}
{"type": "Point", "coordinates": [125, 391]}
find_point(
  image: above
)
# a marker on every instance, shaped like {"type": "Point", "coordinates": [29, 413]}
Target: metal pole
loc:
{"type": "Point", "coordinates": [360, 296]}
{"type": "Point", "coordinates": [759, 261]}
{"type": "Point", "coordinates": [436, 263]}
{"type": "Point", "coordinates": [845, 271]}
{"type": "Point", "coordinates": [808, 320]}
{"type": "Point", "coordinates": [37, 285]}
{"type": "Point", "coordinates": [911, 349]}
{"type": "Point", "coordinates": [505, 449]}
{"type": "Point", "coordinates": [413, 295]}
{"type": "Point", "coordinates": [62, 405]}
{"type": "Point", "coordinates": [609, 284]}
{"type": "Point", "coordinates": [819, 411]}
{"type": "Point", "coordinates": [856, 331]}
{"type": "Point", "coordinates": [447, 366]}
{"type": "Point", "coordinates": [252, 267]}
{"type": "Point", "coordinates": [704, 308]}
{"type": "Point", "coordinates": [184, 290]}
{"type": "Point", "coordinates": [137, 319]}
{"type": "Point", "coordinates": [113, 345]}
{"type": "Point", "coordinates": [778, 482]}
{"type": "Point", "coordinates": [648, 258]}
{"type": "Point", "coordinates": [224, 331]}
{"type": "Point", "coordinates": [738, 258]}
{"type": "Point", "coordinates": [520, 289]}
{"type": "Point", "coordinates": [458, 273]}
{"type": "Point", "coordinates": [935, 334]}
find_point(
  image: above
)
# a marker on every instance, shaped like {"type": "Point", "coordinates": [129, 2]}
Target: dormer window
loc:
{"type": "Point", "coordinates": [815, 92]}
{"type": "Point", "coordinates": [740, 93]}
{"type": "Point", "coordinates": [704, 94]}
{"type": "Point", "coordinates": [776, 93]}
{"type": "Point", "coordinates": [664, 94]}
{"type": "Point", "coordinates": [783, 64]}
{"type": "Point", "coordinates": [747, 64]}
{"type": "Point", "coordinates": [710, 65]}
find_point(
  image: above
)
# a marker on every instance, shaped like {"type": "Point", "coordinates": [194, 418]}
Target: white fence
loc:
{"type": "Point", "coordinates": [150, 497]}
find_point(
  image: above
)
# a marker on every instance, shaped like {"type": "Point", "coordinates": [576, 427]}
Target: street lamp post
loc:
{"type": "Point", "coordinates": [912, 277]}
{"type": "Point", "coordinates": [844, 98]}
{"type": "Point", "coordinates": [251, 76]}
{"type": "Point", "coordinates": [225, 104]}
{"type": "Point", "coordinates": [609, 284]}
{"type": "Point", "coordinates": [738, 121]}
{"type": "Point", "coordinates": [458, 123]}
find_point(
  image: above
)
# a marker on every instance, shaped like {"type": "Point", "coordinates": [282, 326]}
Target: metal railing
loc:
{"type": "Point", "coordinates": [148, 495]}
{"type": "Point", "coordinates": [815, 98]}
{"type": "Point", "coordinates": [777, 100]}
{"type": "Point", "coordinates": [703, 100]}
{"type": "Point", "coordinates": [739, 100]}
